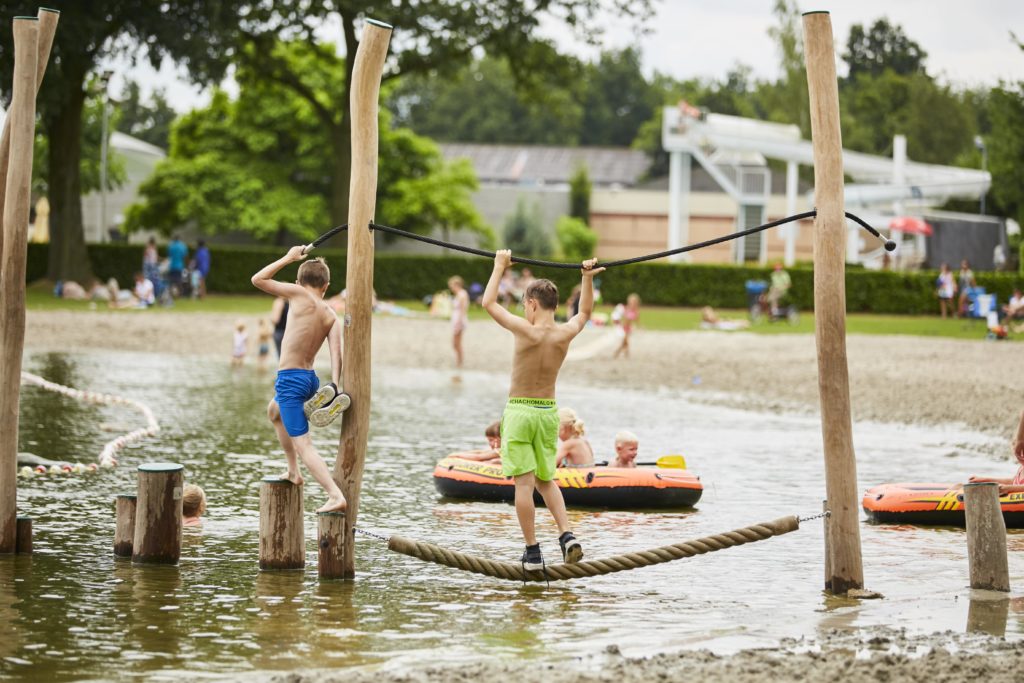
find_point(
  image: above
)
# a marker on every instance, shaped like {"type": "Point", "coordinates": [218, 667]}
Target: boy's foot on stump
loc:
{"type": "Point", "coordinates": [325, 416]}
{"type": "Point", "coordinates": [532, 560]}
{"type": "Point", "coordinates": [572, 551]}
{"type": "Point", "coordinates": [334, 504]}
{"type": "Point", "coordinates": [323, 396]}
{"type": "Point", "coordinates": [293, 478]}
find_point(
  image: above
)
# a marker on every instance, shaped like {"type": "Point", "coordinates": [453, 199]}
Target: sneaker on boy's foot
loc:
{"type": "Point", "coordinates": [327, 415]}
{"type": "Point", "coordinates": [572, 551]}
{"type": "Point", "coordinates": [321, 398]}
{"type": "Point", "coordinates": [532, 559]}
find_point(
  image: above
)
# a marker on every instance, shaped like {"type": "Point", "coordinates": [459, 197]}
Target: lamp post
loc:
{"type": "Point", "coordinates": [979, 143]}
{"type": "Point", "coordinates": [104, 86]}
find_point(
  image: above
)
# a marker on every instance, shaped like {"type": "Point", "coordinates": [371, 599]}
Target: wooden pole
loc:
{"type": "Point", "coordinates": [331, 545]}
{"type": "Point", "coordinates": [282, 537]}
{"type": "Point", "coordinates": [157, 537]}
{"type": "Point", "coordinates": [22, 117]}
{"type": "Point", "coordinates": [830, 306]}
{"type": "Point", "coordinates": [986, 537]}
{"type": "Point", "coordinates": [23, 545]}
{"type": "Point", "coordinates": [47, 28]}
{"type": "Point", "coordinates": [348, 467]}
{"type": "Point", "coordinates": [828, 547]}
{"type": "Point", "coordinates": [124, 532]}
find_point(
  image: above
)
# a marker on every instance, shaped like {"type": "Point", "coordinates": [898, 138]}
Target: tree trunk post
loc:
{"type": "Point", "coordinates": [331, 545]}
{"type": "Point", "coordinates": [846, 568]}
{"type": "Point", "coordinates": [282, 536]}
{"type": "Point", "coordinates": [348, 467]}
{"type": "Point", "coordinates": [157, 537]}
{"type": "Point", "coordinates": [47, 28]}
{"type": "Point", "coordinates": [124, 532]}
{"type": "Point", "coordinates": [17, 197]}
{"type": "Point", "coordinates": [23, 545]}
{"type": "Point", "coordinates": [986, 537]}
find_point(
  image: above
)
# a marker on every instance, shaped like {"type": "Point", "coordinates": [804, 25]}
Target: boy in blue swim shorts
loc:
{"type": "Point", "coordinates": [298, 393]}
{"type": "Point", "coordinates": [529, 425]}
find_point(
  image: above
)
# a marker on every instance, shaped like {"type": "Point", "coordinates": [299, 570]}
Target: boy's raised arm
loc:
{"type": "Point", "coordinates": [588, 272]}
{"type": "Point", "coordinates": [264, 279]}
{"type": "Point", "coordinates": [502, 260]}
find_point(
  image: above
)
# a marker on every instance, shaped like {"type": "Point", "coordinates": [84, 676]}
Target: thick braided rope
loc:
{"type": "Point", "coordinates": [111, 448]}
{"type": "Point", "coordinates": [608, 565]}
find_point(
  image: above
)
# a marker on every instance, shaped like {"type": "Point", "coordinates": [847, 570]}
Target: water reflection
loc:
{"type": "Point", "coordinates": [988, 612]}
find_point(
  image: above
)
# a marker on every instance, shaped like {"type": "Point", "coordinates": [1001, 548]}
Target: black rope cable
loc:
{"type": "Point", "coordinates": [889, 244]}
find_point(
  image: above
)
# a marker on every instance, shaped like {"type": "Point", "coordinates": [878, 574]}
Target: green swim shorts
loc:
{"type": "Point", "coordinates": [529, 437]}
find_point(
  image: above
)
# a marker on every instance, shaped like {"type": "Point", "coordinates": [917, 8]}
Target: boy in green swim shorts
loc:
{"type": "Point", "coordinates": [529, 425]}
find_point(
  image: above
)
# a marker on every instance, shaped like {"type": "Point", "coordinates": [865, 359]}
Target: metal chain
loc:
{"type": "Point", "coordinates": [371, 534]}
{"type": "Point", "coordinates": [826, 513]}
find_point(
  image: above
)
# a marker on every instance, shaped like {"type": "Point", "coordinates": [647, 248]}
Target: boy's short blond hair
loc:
{"type": "Point", "coordinates": [315, 273]}
{"type": "Point", "coordinates": [544, 292]}
{"type": "Point", "coordinates": [193, 501]}
{"type": "Point", "coordinates": [626, 437]}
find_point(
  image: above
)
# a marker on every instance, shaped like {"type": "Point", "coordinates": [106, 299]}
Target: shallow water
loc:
{"type": "Point", "coordinates": [72, 611]}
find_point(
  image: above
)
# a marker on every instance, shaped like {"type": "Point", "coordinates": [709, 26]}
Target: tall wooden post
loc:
{"type": "Point", "coordinates": [986, 537]}
{"type": "Point", "coordinates": [282, 535]}
{"type": "Point", "coordinates": [846, 567]}
{"type": "Point", "coordinates": [366, 76]}
{"type": "Point", "coordinates": [17, 193]}
{"type": "Point", "coordinates": [47, 28]}
{"type": "Point", "coordinates": [331, 545]}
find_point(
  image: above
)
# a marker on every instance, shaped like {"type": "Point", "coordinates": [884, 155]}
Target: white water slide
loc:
{"type": "Point", "coordinates": [883, 186]}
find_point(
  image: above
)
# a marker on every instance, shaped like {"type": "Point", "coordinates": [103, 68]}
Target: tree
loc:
{"type": "Point", "coordinates": [579, 195]}
{"type": "Point", "coordinates": [148, 121]}
{"type": "Point", "coordinates": [1005, 143]}
{"type": "Point", "coordinates": [524, 233]}
{"type": "Point", "coordinates": [195, 32]}
{"type": "Point", "coordinates": [431, 36]}
{"type": "Point", "coordinates": [576, 241]}
{"type": "Point", "coordinates": [883, 47]}
{"type": "Point", "coordinates": [256, 164]}
{"type": "Point", "coordinates": [616, 99]}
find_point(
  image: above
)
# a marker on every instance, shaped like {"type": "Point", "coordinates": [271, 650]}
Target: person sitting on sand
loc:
{"type": "Point", "coordinates": [310, 322]}
{"type": "Point", "coordinates": [709, 320]}
{"type": "Point", "coordinates": [574, 450]}
{"type": "Point", "coordinates": [142, 296]}
{"type": "Point", "coordinates": [626, 446]}
{"type": "Point", "coordinates": [491, 454]}
{"type": "Point", "coordinates": [1013, 484]}
{"type": "Point", "coordinates": [193, 505]}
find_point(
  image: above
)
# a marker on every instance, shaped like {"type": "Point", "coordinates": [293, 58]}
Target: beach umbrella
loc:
{"type": "Point", "coordinates": [910, 225]}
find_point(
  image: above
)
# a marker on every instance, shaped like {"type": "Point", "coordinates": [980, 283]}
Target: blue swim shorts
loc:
{"type": "Point", "coordinates": [295, 387]}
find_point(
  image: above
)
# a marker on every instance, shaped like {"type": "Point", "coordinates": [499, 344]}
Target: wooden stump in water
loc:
{"type": "Point", "coordinates": [986, 537]}
{"type": "Point", "coordinates": [331, 545]}
{"type": "Point", "coordinates": [157, 536]}
{"type": "Point", "coordinates": [282, 537]}
{"type": "Point", "coordinates": [124, 506]}
{"type": "Point", "coordinates": [23, 536]}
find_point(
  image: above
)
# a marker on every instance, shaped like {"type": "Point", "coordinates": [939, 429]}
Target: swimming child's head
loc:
{"type": "Point", "coordinates": [493, 434]}
{"type": "Point", "coordinates": [315, 273]}
{"type": "Point", "coordinates": [540, 294]}
{"type": "Point", "coordinates": [626, 446]}
{"type": "Point", "coordinates": [455, 283]}
{"type": "Point", "coordinates": [193, 501]}
{"type": "Point", "coordinates": [569, 424]}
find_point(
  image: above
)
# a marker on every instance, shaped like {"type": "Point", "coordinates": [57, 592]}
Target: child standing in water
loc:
{"type": "Point", "coordinates": [265, 334]}
{"type": "Point", "coordinates": [460, 315]}
{"type": "Point", "coordinates": [529, 425]}
{"type": "Point", "coordinates": [310, 322]}
{"type": "Point", "coordinates": [239, 345]}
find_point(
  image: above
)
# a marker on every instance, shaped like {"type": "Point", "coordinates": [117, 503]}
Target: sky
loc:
{"type": "Point", "coordinates": [968, 43]}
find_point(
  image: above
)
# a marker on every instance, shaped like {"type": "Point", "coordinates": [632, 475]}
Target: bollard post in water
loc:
{"type": "Point", "coordinates": [124, 509]}
{"type": "Point", "coordinates": [23, 536]}
{"type": "Point", "coordinates": [986, 537]}
{"type": "Point", "coordinates": [331, 545]}
{"type": "Point", "coordinates": [157, 535]}
{"type": "Point", "coordinates": [282, 537]}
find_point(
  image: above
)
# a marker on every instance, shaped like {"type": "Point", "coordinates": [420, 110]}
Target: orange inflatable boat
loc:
{"type": "Point", "coordinates": [938, 504]}
{"type": "Point", "coordinates": [608, 487]}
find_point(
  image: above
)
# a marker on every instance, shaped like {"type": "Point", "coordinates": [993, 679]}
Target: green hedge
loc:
{"type": "Point", "coordinates": [400, 276]}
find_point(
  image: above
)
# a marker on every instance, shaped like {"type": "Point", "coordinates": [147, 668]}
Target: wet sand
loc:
{"type": "Point", "coordinates": [892, 378]}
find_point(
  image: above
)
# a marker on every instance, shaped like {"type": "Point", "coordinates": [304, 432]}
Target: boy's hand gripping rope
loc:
{"type": "Point", "coordinates": [889, 244]}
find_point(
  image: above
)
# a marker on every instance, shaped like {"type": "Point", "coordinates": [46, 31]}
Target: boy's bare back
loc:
{"type": "Point", "coordinates": [539, 352]}
{"type": "Point", "coordinates": [309, 321]}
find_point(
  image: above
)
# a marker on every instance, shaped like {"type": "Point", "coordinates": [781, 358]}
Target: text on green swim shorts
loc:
{"type": "Point", "coordinates": [529, 437]}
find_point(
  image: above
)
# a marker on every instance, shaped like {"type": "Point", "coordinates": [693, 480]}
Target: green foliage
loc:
{"type": "Point", "coordinates": [402, 276]}
{"type": "Point", "coordinates": [616, 99]}
{"type": "Point", "coordinates": [148, 121]}
{"type": "Point", "coordinates": [258, 164]}
{"type": "Point", "coordinates": [1005, 143]}
{"type": "Point", "coordinates": [524, 232]}
{"type": "Point", "coordinates": [884, 47]}
{"type": "Point", "coordinates": [579, 195]}
{"type": "Point", "coordinates": [576, 241]}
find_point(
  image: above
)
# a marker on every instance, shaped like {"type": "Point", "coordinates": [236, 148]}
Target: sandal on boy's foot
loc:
{"type": "Point", "coordinates": [323, 396]}
{"type": "Point", "coordinates": [327, 415]}
{"type": "Point", "coordinates": [572, 551]}
{"type": "Point", "coordinates": [532, 560]}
